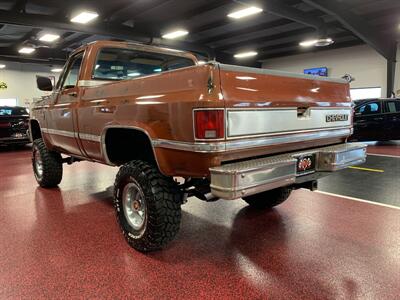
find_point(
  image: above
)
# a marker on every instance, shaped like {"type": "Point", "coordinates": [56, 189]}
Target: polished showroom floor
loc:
{"type": "Point", "coordinates": [65, 242]}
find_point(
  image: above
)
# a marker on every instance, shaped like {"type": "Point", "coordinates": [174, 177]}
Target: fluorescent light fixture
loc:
{"type": "Point", "coordinates": [157, 70]}
{"type": "Point", "coordinates": [175, 34]}
{"type": "Point", "coordinates": [26, 50]}
{"type": "Point", "coordinates": [245, 12]}
{"type": "Point", "coordinates": [134, 74]}
{"type": "Point", "coordinates": [319, 42]}
{"type": "Point", "coordinates": [48, 37]}
{"type": "Point", "coordinates": [84, 17]}
{"type": "Point", "coordinates": [308, 43]}
{"type": "Point", "coordinates": [324, 42]}
{"type": "Point", "coordinates": [201, 62]}
{"type": "Point", "coordinates": [56, 70]}
{"type": "Point", "coordinates": [245, 54]}
{"type": "Point", "coordinates": [2, 66]}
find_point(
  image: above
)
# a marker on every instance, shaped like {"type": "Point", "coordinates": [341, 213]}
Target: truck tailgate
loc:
{"type": "Point", "coordinates": [262, 102]}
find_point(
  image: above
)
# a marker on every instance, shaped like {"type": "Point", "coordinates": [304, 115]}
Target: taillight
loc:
{"type": "Point", "coordinates": [209, 124]}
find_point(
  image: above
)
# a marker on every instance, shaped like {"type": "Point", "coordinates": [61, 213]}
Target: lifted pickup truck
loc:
{"type": "Point", "coordinates": [225, 131]}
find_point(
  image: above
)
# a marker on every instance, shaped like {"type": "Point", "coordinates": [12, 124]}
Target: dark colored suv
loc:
{"type": "Point", "coordinates": [377, 120]}
{"type": "Point", "coordinates": [14, 124]}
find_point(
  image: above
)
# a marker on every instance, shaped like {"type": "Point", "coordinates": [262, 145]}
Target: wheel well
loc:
{"type": "Point", "coordinates": [123, 145]}
{"type": "Point", "coordinates": [35, 130]}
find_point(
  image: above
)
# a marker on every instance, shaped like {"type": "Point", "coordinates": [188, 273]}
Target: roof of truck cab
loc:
{"type": "Point", "coordinates": [138, 46]}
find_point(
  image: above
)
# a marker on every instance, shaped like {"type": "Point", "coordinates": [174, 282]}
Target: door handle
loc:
{"type": "Point", "coordinates": [73, 94]}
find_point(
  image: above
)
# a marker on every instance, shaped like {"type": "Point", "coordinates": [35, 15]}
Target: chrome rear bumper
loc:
{"type": "Point", "coordinates": [246, 178]}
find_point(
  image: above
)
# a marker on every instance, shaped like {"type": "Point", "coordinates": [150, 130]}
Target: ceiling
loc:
{"type": "Point", "coordinates": [276, 32]}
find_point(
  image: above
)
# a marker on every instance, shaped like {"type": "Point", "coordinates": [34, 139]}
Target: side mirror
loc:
{"type": "Point", "coordinates": [44, 83]}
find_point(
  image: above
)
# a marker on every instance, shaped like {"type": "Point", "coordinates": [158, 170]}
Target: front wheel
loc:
{"type": "Point", "coordinates": [268, 199]}
{"type": "Point", "coordinates": [148, 206]}
{"type": "Point", "coordinates": [47, 165]}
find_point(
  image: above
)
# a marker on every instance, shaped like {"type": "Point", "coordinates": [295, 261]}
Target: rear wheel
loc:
{"type": "Point", "coordinates": [268, 199]}
{"type": "Point", "coordinates": [47, 165]}
{"type": "Point", "coordinates": [148, 206]}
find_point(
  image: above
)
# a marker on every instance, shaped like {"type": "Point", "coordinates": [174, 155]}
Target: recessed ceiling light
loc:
{"type": "Point", "coordinates": [26, 50]}
{"type": "Point", "coordinates": [49, 37]}
{"type": "Point", "coordinates": [245, 54]}
{"type": "Point", "coordinates": [2, 66]}
{"type": "Point", "coordinates": [175, 34]}
{"type": "Point", "coordinates": [245, 12]}
{"type": "Point", "coordinates": [84, 17]}
{"type": "Point", "coordinates": [56, 70]}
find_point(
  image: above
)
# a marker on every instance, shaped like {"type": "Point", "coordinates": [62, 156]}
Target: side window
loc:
{"type": "Point", "coordinates": [122, 64]}
{"type": "Point", "coordinates": [72, 73]}
{"type": "Point", "coordinates": [370, 108]}
{"type": "Point", "coordinates": [393, 106]}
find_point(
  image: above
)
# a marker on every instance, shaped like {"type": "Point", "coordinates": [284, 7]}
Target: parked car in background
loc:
{"type": "Point", "coordinates": [14, 125]}
{"type": "Point", "coordinates": [377, 120]}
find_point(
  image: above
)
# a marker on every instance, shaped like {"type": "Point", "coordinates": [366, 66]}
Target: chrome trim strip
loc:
{"type": "Point", "coordinates": [89, 137]}
{"type": "Point", "coordinates": [58, 132]}
{"type": "Point", "coordinates": [250, 143]}
{"type": "Point", "coordinates": [92, 83]}
{"type": "Point", "coordinates": [234, 68]}
{"type": "Point", "coordinates": [192, 147]}
{"type": "Point", "coordinates": [71, 134]}
{"type": "Point", "coordinates": [295, 138]}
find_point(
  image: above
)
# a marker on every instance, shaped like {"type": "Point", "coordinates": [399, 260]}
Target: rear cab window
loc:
{"type": "Point", "coordinates": [122, 63]}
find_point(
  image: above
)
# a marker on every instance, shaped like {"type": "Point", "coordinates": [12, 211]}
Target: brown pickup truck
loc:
{"type": "Point", "coordinates": [178, 128]}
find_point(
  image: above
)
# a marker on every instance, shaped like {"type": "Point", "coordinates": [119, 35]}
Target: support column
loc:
{"type": "Point", "coordinates": [391, 72]}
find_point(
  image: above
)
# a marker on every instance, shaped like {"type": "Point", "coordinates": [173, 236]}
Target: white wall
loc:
{"type": "Point", "coordinates": [397, 78]}
{"type": "Point", "coordinates": [21, 81]}
{"type": "Point", "coordinates": [362, 62]}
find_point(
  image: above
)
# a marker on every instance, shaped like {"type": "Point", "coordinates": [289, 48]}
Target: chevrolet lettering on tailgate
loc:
{"type": "Point", "coordinates": [337, 118]}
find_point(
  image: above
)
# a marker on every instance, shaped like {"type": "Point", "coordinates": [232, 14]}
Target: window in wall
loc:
{"type": "Point", "coordinates": [8, 102]}
{"type": "Point", "coordinates": [120, 64]}
{"type": "Point", "coordinates": [365, 93]}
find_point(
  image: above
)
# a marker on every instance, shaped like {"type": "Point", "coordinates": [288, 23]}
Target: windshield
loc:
{"type": "Point", "coordinates": [13, 111]}
{"type": "Point", "coordinates": [120, 63]}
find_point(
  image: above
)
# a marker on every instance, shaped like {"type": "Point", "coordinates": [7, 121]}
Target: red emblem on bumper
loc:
{"type": "Point", "coordinates": [304, 164]}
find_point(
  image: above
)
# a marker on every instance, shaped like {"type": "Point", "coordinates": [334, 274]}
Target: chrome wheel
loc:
{"type": "Point", "coordinates": [38, 163]}
{"type": "Point", "coordinates": [134, 206]}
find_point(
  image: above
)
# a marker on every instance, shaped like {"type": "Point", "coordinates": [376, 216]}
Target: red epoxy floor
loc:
{"type": "Point", "coordinates": [65, 243]}
{"type": "Point", "coordinates": [384, 148]}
